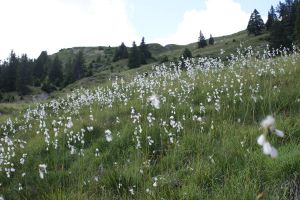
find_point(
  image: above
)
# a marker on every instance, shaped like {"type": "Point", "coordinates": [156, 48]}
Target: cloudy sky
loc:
{"type": "Point", "coordinates": [31, 26]}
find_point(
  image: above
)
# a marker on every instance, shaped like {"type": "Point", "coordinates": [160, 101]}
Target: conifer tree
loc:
{"type": "Point", "coordinates": [134, 57]}
{"type": "Point", "coordinates": [297, 25]}
{"type": "Point", "coordinates": [23, 76]}
{"type": "Point", "coordinates": [256, 24]}
{"type": "Point", "coordinates": [211, 40]}
{"type": "Point", "coordinates": [272, 17]}
{"type": "Point", "coordinates": [55, 72]}
{"type": "Point", "coordinates": [202, 41]}
{"type": "Point", "coordinates": [39, 69]}
{"type": "Point", "coordinates": [186, 53]}
{"type": "Point", "coordinates": [120, 53]}
{"type": "Point", "coordinates": [144, 52]}
{"type": "Point", "coordinates": [79, 62]}
{"type": "Point", "coordinates": [10, 73]}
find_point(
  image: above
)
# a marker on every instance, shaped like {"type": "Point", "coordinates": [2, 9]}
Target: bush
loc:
{"type": "Point", "coordinates": [48, 87]}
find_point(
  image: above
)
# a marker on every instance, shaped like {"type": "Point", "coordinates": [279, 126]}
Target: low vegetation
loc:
{"type": "Point", "coordinates": [181, 131]}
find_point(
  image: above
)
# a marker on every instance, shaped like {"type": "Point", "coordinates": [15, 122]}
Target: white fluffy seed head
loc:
{"type": "Point", "coordinates": [267, 148]}
{"type": "Point", "coordinates": [274, 153]}
{"type": "Point", "coordinates": [268, 123]}
{"type": "Point", "coordinates": [279, 133]}
{"type": "Point", "coordinates": [108, 135]}
{"type": "Point", "coordinates": [154, 101]}
{"type": "Point", "coordinates": [261, 140]}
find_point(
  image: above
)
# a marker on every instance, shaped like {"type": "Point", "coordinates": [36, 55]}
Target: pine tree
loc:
{"type": "Point", "coordinates": [297, 25]}
{"type": "Point", "coordinates": [78, 66]}
{"type": "Point", "coordinates": [55, 73]}
{"type": "Point", "coordinates": [256, 24]}
{"type": "Point", "coordinates": [69, 72]}
{"type": "Point", "coordinates": [211, 40]}
{"type": "Point", "coordinates": [144, 52]}
{"type": "Point", "coordinates": [272, 17]}
{"type": "Point", "coordinates": [134, 57]}
{"type": "Point", "coordinates": [23, 76]}
{"type": "Point", "coordinates": [202, 41]}
{"type": "Point", "coordinates": [283, 30]}
{"type": "Point", "coordinates": [10, 73]}
{"type": "Point", "coordinates": [39, 69]}
{"type": "Point", "coordinates": [120, 53]}
{"type": "Point", "coordinates": [186, 53]}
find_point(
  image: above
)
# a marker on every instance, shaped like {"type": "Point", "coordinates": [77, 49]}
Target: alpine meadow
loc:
{"type": "Point", "coordinates": [214, 119]}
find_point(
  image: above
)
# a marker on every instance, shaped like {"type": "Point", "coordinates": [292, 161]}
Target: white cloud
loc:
{"type": "Point", "coordinates": [220, 17]}
{"type": "Point", "coordinates": [34, 25]}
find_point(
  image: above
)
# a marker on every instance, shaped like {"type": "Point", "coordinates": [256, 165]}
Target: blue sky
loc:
{"type": "Point", "coordinates": [32, 26]}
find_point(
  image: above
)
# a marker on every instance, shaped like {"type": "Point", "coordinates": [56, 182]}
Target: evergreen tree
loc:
{"type": "Point", "coordinates": [256, 24]}
{"type": "Point", "coordinates": [211, 40]}
{"type": "Point", "coordinates": [202, 41]}
{"type": "Point", "coordinates": [23, 76]}
{"type": "Point", "coordinates": [10, 72]}
{"type": "Point", "coordinates": [39, 69]}
{"type": "Point", "coordinates": [134, 57]}
{"type": "Point", "coordinates": [69, 72]}
{"type": "Point", "coordinates": [297, 25]}
{"type": "Point", "coordinates": [55, 72]}
{"type": "Point", "coordinates": [79, 61]}
{"type": "Point", "coordinates": [144, 52]}
{"type": "Point", "coordinates": [186, 53]}
{"type": "Point", "coordinates": [278, 36]}
{"type": "Point", "coordinates": [283, 32]}
{"type": "Point", "coordinates": [120, 53]}
{"type": "Point", "coordinates": [272, 17]}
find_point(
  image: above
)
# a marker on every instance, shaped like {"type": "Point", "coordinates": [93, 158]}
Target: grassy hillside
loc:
{"type": "Point", "coordinates": [104, 68]}
{"type": "Point", "coordinates": [171, 134]}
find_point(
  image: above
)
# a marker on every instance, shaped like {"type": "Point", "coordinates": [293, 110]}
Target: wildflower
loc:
{"type": "Point", "coordinates": [131, 191]}
{"type": "Point", "coordinates": [268, 126]}
{"type": "Point", "coordinates": [268, 123]}
{"type": "Point", "coordinates": [154, 101]}
{"type": "Point", "coordinates": [155, 182]}
{"type": "Point", "coordinates": [108, 135]}
{"type": "Point", "coordinates": [42, 170]}
{"type": "Point", "coordinates": [90, 128]}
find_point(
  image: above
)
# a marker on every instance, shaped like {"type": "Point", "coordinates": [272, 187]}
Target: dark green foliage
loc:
{"type": "Point", "coordinates": [278, 36]}
{"type": "Point", "coordinates": [202, 41]}
{"type": "Point", "coordinates": [186, 54]}
{"type": "Point", "coordinates": [120, 52]}
{"type": "Point", "coordinates": [23, 78]}
{"type": "Point", "coordinates": [256, 24]}
{"type": "Point", "coordinates": [79, 62]}
{"type": "Point", "coordinates": [211, 40]}
{"type": "Point", "coordinates": [69, 75]}
{"type": "Point", "coordinates": [283, 30]}
{"type": "Point", "coordinates": [272, 17]}
{"type": "Point", "coordinates": [55, 72]}
{"type": "Point", "coordinates": [164, 59]}
{"type": "Point", "coordinates": [134, 57]}
{"type": "Point", "coordinates": [39, 68]}
{"type": "Point", "coordinates": [297, 25]}
{"type": "Point", "coordinates": [8, 73]}
{"type": "Point", "coordinates": [48, 87]}
{"type": "Point", "coordinates": [144, 52]}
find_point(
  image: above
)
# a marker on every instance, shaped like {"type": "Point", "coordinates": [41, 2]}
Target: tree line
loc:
{"type": "Point", "coordinates": [49, 73]}
{"type": "Point", "coordinates": [283, 24]}
{"type": "Point", "coordinates": [137, 56]}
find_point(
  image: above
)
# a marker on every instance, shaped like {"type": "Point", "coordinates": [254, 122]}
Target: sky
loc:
{"type": "Point", "coordinates": [32, 26]}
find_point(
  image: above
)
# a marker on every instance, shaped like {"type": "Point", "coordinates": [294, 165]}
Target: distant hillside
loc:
{"type": "Point", "coordinates": [100, 58]}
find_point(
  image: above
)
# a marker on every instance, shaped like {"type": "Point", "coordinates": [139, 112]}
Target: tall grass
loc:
{"type": "Point", "coordinates": [199, 144]}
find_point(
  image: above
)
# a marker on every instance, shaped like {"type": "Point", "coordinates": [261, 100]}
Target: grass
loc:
{"type": "Point", "coordinates": [106, 68]}
{"type": "Point", "coordinates": [194, 154]}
